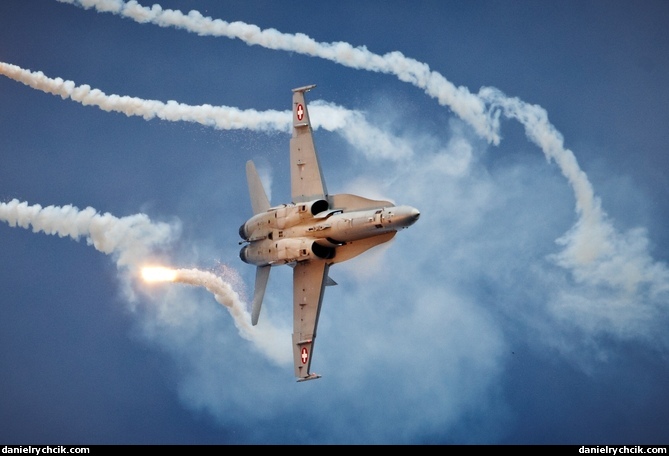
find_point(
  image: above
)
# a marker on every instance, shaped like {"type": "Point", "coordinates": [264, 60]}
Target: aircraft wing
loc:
{"type": "Point", "coordinates": [306, 179]}
{"type": "Point", "coordinates": [309, 280]}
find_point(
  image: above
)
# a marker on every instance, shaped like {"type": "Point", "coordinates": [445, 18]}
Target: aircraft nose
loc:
{"type": "Point", "coordinates": [414, 215]}
{"type": "Point", "coordinates": [407, 216]}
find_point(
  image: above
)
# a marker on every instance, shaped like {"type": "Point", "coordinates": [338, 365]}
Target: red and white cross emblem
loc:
{"type": "Point", "coordinates": [300, 115]}
{"type": "Point", "coordinates": [305, 353]}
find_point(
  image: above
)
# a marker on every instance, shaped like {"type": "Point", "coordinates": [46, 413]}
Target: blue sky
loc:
{"type": "Point", "coordinates": [528, 305]}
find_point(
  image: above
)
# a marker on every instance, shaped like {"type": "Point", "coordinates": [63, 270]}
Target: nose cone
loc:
{"type": "Point", "coordinates": [414, 214]}
{"type": "Point", "coordinates": [406, 216]}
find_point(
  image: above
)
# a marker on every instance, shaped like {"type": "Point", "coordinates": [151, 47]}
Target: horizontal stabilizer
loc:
{"type": "Point", "coordinates": [262, 276]}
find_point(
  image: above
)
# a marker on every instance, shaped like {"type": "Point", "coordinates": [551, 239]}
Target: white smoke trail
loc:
{"type": "Point", "coordinates": [131, 239]}
{"type": "Point", "coordinates": [221, 117]}
{"type": "Point", "coordinates": [350, 124]}
{"type": "Point", "coordinates": [594, 250]}
{"type": "Point", "coordinates": [591, 245]}
{"type": "Point", "coordinates": [466, 105]}
{"type": "Point", "coordinates": [359, 133]}
{"type": "Point", "coordinates": [268, 340]}
{"type": "Point", "coordinates": [594, 230]}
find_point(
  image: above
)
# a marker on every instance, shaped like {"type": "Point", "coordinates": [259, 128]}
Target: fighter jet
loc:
{"type": "Point", "coordinates": [310, 234]}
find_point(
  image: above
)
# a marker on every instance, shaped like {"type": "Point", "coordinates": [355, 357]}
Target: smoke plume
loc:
{"type": "Point", "coordinates": [350, 124]}
{"type": "Point", "coordinates": [265, 340]}
{"type": "Point", "coordinates": [590, 246]}
{"type": "Point", "coordinates": [131, 241]}
{"type": "Point", "coordinates": [465, 104]}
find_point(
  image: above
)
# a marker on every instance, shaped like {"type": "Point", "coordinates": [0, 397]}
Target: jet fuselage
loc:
{"type": "Point", "coordinates": [300, 232]}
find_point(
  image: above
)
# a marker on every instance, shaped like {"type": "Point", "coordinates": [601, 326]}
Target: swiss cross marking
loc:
{"type": "Point", "coordinates": [305, 355]}
{"type": "Point", "coordinates": [300, 116]}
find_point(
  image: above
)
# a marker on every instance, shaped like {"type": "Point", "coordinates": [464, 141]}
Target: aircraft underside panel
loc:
{"type": "Point", "coordinates": [308, 284]}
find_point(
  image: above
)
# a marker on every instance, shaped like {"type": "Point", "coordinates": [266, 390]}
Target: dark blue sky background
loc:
{"type": "Point", "coordinates": [467, 328]}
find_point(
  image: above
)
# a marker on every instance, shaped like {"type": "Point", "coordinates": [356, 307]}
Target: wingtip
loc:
{"type": "Point", "coordinates": [304, 88]}
{"type": "Point", "coordinates": [308, 377]}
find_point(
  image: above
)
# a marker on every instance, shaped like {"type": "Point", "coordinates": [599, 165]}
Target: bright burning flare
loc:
{"type": "Point", "coordinates": [159, 274]}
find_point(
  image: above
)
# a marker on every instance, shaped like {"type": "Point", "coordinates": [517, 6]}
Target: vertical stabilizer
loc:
{"type": "Point", "coordinates": [262, 276]}
{"type": "Point", "coordinates": [259, 200]}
